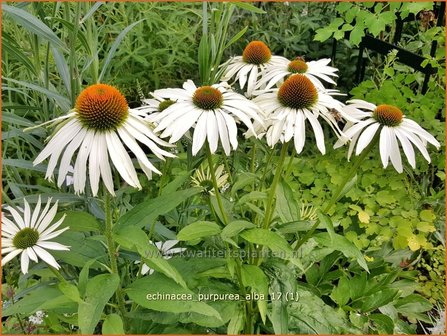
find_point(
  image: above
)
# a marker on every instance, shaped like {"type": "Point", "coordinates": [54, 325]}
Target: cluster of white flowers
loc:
{"type": "Point", "coordinates": [37, 318]}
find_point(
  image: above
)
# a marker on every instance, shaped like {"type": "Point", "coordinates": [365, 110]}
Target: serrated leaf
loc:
{"type": "Point", "coordinates": [269, 239]}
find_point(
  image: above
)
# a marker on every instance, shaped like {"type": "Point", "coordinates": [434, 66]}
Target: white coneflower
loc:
{"type": "Point", "coordinates": [314, 70]}
{"type": "Point", "coordinates": [98, 128]}
{"type": "Point", "coordinates": [203, 179]}
{"type": "Point", "coordinates": [247, 68]}
{"type": "Point", "coordinates": [296, 101]}
{"type": "Point", "coordinates": [29, 234]}
{"type": "Point", "coordinates": [167, 251]}
{"type": "Point", "coordinates": [393, 127]}
{"type": "Point", "coordinates": [213, 112]}
{"type": "Point", "coordinates": [153, 106]}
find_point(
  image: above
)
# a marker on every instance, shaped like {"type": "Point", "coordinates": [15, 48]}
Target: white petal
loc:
{"type": "Point", "coordinates": [52, 246]}
{"type": "Point", "coordinates": [36, 212]}
{"type": "Point", "coordinates": [11, 255]}
{"type": "Point", "coordinates": [184, 123]}
{"type": "Point", "coordinates": [121, 160]}
{"type": "Point", "coordinates": [232, 129]}
{"type": "Point", "coordinates": [407, 147]}
{"type": "Point", "coordinates": [252, 80]}
{"type": "Point", "coordinates": [27, 213]}
{"type": "Point", "coordinates": [94, 170]}
{"type": "Point", "coordinates": [212, 131]}
{"type": "Point", "coordinates": [17, 218]}
{"type": "Point", "coordinates": [384, 147]}
{"type": "Point", "coordinates": [54, 234]}
{"type": "Point", "coordinates": [8, 226]}
{"type": "Point", "coordinates": [104, 165]}
{"type": "Point", "coordinates": [199, 134]}
{"type": "Point", "coordinates": [319, 135]}
{"type": "Point", "coordinates": [417, 142]}
{"type": "Point", "coordinates": [300, 132]}
{"type": "Point", "coordinates": [65, 138]}
{"type": "Point", "coordinates": [42, 225]}
{"type": "Point", "coordinates": [223, 132]}
{"type": "Point", "coordinates": [80, 168]}
{"type": "Point", "coordinates": [366, 137]}
{"type": "Point", "coordinates": [31, 254]}
{"type": "Point", "coordinates": [394, 150]}
{"type": "Point", "coordinates": [24, 262]}
{"type": "Point", "coordinates": [45, 256]}
{"type": "Point", "coordinates": [45, 232]}
{"type": "Point", "coordinates": [68, 155]}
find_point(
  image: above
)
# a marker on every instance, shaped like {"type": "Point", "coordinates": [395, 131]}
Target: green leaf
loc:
{"type": "Point", "coordinates": [33, 25]}
{"type": "Point", "coordinates": [357, 286]}
{"type": "Point", "coordinates": [78, 221]}
{"type": "Point", "coordinates": [413, 305]}
{"type": "Point", "coordinates": [270, 239]}
{"type": "Point", "coordinates": [340, 294]}
{"type": "Point", "coordinates": [136, 239]}
{"type": "Point", "coordinates": [113, 325]}
{"type": "Point", "coordinates": [174, 185]}
{"type": "Point", "coordinates": [82, 249]}
{"type": "Point", "coordinates": [286, 206]}
{"type": "Point", "coordinates": [342, 244]}
{"type": "Point", "coordinates": [427, 215]}
{"type": "Point", "coordinates": [356, 34]}
{"type": "Point", "coordinates": [236, 37]}
{"type": "Point", "coordinates": [323, 34]}
{"type": "Point", "coordinates": [147, 212]}
{"type": "Point", "coordinates": [236, 227]}
{"type": "Point", "coordinates": [83, 277]}
{"type": "Point", "coordinates": [310, 315]}
{"type": "Point", "coordinates": [236, 323]}
{"type": "Point", "coordinates": [63, 102]}
{"type": "Point", "coordinates": [198, 230]}
{"type": "Point", "coordinates": [114, 47]}
{"type": "Point", "coordinates": [147, 293]}
{"type": "Point", "coordinates": [98, 292]}
{"type": "Point", "coordinates": [385, 324]}
{"type": "Point", "coordinates": [254, 277]}
{"type": "Point", "coordinates": [36, 299]}
{"type": "Point", "coordinates": [379, 299]}
{"type": "Point", "coordinates": [70, 291]}
{"type": "Point", "coordinates": [249, 7]}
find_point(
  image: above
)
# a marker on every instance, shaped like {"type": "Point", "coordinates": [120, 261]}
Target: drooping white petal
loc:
{"type": "Point", "coordinates": [80, 168]}
{"type": "Point", "coordinates": [232, 129]}
{"type": "Point", "coordinates": [121, 160]}
{"type": "Point", "coordinates": [199, 133]}
{"type": "Point", "coordinates": [104, 165]}
{"type": "Point", "coordinates": [318, 131]}
{"type": "Point", "coordinates": [407, 147]}
{"type": "Point", "coordinates": [223, 132]}
{"type": "Point", "coordinates": [68, 155]}
{"type": "Point", "coordinates": [212, 131]}
{"type": "Point", "coordinates": [10, 256]}
{"type": "Point", "coordinates": [300, 132]}
{"type": "Point", "coordinates": [24, 262]}
{"type": "Point", "coordinates": [46, 257]}
{"type": "Point", "coordinates": [366, 137]}
{"type": "Point", "coordinates": [384, 147]}
{"type": "Point", "coordinates": [394, 150]}
{"type": "Point", "coordinates": [93, 163]}
{"type": "Point", "coordinates": [31, 254]}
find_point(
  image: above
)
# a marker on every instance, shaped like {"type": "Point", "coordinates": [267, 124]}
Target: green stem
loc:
{"type": "Point", "coordinates": [112, 253]}
{"type": "Point", "coordinates": [276, 178]}
{"type": "Point", "coordinates": [352, 172]}
{"type": "Point", "coordinates": [227, 168]}
{"type": "Point", "coordinates": [216, 188]}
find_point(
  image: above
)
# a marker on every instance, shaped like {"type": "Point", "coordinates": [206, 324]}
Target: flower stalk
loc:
{"type": "Point", "coordinates": [111, 248]}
